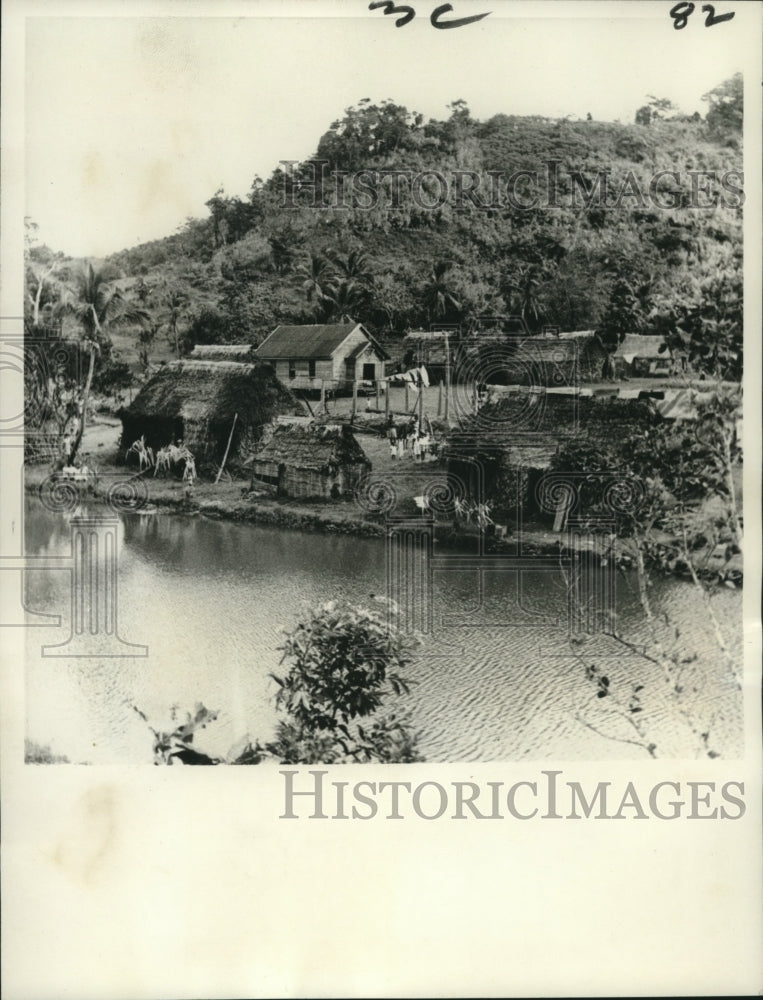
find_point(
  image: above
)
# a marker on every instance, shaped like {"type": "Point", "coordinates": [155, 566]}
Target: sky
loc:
{"type": "Point", "coordinates": [133, 122]}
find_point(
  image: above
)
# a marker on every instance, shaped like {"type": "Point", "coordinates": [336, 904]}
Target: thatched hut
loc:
{"type": "Point", "coordinates": [504, 449]}
{"type": "Point", "coordinates": [558, 359]}
{"type": "Point", "coordinates": [196, 402]}
{"type": "Point", "coordinates": [310, 460]}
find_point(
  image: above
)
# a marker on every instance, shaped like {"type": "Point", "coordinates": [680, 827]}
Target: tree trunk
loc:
{"type": "Point", "coordinates": [85, 398]}
{"type": "Point", "coordinates": [733, 514]}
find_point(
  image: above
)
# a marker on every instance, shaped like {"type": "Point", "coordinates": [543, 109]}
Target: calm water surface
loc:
{"type": "Point", "coordinates": [210, 599]}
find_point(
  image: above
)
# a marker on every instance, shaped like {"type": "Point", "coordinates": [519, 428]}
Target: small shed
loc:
{"type": "Point", "coordinates": [196, 402]}
{"type": "Point", "coordinates": [642, 355]}
{"type": "Point", "coordinates": [333, 355]}
{"type": "Point", "coordinates": [310, 460]}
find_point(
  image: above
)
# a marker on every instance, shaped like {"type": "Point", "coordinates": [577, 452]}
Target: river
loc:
{"type": "Point", "coordinates": [494, 681]}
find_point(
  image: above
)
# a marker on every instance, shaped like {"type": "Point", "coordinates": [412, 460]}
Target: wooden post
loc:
{"type": "Point", "coordinates": [386, 399]}
{"type": "Point", "coordinates": [378, 389]}
{"type": "Point", "coordinates": [421, 406]}
{"type": "Point", "coordinates": [406, 396]}
{"type": "Point", "coordinates": [323, 396]}
{"type": "Point", "coordinates": [447, 376]}
{"type": "Point", "coordinates": [227, 448]}
{"type": "Point", "coordinates": [354, 396]}
{"type": "Point", "coordinates": [439, 400]}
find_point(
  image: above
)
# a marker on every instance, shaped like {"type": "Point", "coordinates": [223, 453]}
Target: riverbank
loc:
{"type": "Point", "coordinates": [232, 499]}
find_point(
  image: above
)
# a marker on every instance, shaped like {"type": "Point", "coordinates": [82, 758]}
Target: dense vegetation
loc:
{"type": "Point", "coordinates": [627, 262]}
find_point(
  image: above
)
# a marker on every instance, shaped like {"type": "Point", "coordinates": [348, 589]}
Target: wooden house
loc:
{"type": "Point", "coordinates": [310, 460]}
{"type": "Point", "coordinates": [196, 402]}
{"type": "Point", "coordinates": [333, 355]}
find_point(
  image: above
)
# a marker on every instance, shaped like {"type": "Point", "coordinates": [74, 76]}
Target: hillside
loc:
{"type": "Point", "coordinates": [574, 224]}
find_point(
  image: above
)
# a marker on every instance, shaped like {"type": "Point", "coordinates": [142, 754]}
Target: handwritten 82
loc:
{"type": "Point", "coordinates": [435, 19]}
{"type": "Point", "coordinates": [680, 13]}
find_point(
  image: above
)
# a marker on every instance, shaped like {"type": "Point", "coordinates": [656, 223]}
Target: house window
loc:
{"type": "Point", "coordinates": [292, 369]}
{"type": "Point", "coordinates": [369, 372]}
{"type": "Point", "coordinates": [311, 369]}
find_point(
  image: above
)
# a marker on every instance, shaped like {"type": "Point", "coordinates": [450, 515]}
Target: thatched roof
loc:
{"type": "Point", "coordinates": [572, 335]}
{"type": "Point", "coordinates": [543, 421]}
{"type": "Point", "coordinates": [428, 335]}
{"type": "Point", "coordinates": [564, 348]}
{"type": "Point", "coordinates": [212, 390]}
{"type": "Point", "coordinates": [223, 352]}
{"type": "Point", "coordinates": [316, 447]}
{"type": "Point", "coordinates": [200, 399]}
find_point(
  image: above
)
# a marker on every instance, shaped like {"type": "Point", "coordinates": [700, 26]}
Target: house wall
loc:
{"type": "Point", "coordinates": [324, 372]}
{"type": "Point", "coordinates": [304, 482]}
{"type": "Point", "coordinates": [332, 372]}
{"type": "Point", "coordinates": [296, 482]}
{"type": "Point", "coordinates": [369, 356]}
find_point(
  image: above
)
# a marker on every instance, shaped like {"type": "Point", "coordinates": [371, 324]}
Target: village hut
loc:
{"type": "Point", "coordinates": [310, 460]}
{"type": "Point", "coordinates": [640, 355]}
{"type": "Point", "coordinates": [502, 451]}
{"type": "Point", "coordinates": [223, 352]}
{"type": "Point", "coordinates": [330, 355]}
{"type": "Point", "coordinates": [558, 359]}
{"type": "Point", "coordinates": [197, 402]}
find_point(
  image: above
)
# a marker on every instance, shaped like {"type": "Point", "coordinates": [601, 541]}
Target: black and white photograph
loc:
{"type": "Point", "coordinates": [380, 388]}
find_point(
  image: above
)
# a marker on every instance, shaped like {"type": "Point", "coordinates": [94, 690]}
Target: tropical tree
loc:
{"type": "Point", "coordinates": [665, 517]}
{"type": "Point", "coordinates": [627, 310]}
{"type": "Point", "coordinates": [96, 301]}
{"type": "Point", "coordinates": [172, 297]}
{"type": "Point", "coordinates": [42, 274]}
{"type": "Point", "coordinates": [438, 295]}
{"type": "Point", "coordinates": [726, 106]}
{"type": "Point", "coordinates": [523, 288]}
{"type": "Point", "coordinates": [346, 662]}
{"type": "Point", "coordinates": [344, 298]}
{"type": "Point", "coordinates": [315, 276]}
{"type": "Point", "coordinates": [353, 265]}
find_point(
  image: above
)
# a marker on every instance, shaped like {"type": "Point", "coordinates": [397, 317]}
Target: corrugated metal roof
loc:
{"type": "Point", "coordinates": [317, 340]}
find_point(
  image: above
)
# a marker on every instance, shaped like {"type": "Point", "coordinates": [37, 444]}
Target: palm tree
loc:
{"type": "Point", "coordinates": [315, 276]}
{"type": "Point", "coordinates": [353, 265]}
{"type": "Point", "coordinates": [343, 298]}
{"type": "Point", "coordinates": [95, 300]}
{"type": "Point", "coordinates": [172, 296]}
{"type": "Point", "coordinates": [524, 293]}
{"type": "Point", "coordinates": [439, 298]}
